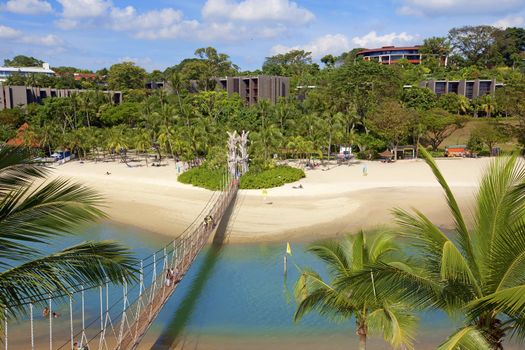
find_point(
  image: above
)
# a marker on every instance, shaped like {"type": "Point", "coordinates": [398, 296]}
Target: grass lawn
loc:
{"type": "Point", "coordinates": [461, 136]}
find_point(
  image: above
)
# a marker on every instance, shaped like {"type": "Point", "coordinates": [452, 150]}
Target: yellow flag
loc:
{"type": "Point", "coordinates": [288, 248]}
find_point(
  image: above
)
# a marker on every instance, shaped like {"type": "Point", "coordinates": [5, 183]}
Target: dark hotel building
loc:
{"type": "Point", "coordinates": [15, 96]}
{"type": "Point", "coordinates": [256, 88]}
{"type": "Point", "coordinates": [468, 88]}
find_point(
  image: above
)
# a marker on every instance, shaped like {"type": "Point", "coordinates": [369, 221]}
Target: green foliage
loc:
{"type": "Point", "coordinates": [125, 113]}
{"type": "Point", "coordinates": [392, 121]}
{"type": "Point", "coordinates": [23, 61]}
{"type": "Point", "coordinates": [31, 216]}
{"type": "Point", "coordinates": [126, 75]}
{"type": "Point", "coordinates": [269, 178]}
{"type": "Point", "coordinates": [476, 271]}
{"type": "Point", "coordinates": [374, 311]}
{"type": "Point", "coordinates": [211, 179]}
{"type": "Point", "coordinates": [489, 134]}
{"type": "Point", "coordinates": [418, 98]}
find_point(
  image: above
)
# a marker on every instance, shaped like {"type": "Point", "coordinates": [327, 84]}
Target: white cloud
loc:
{"type": "Point", "coordinates": [66, 24]}
{"type": "Point", "coordinates": [9, 33]}
{"type": "Point", "coordinates": [128, 19]}
{"type": "Point", "coordinates": [371, 39]}
{"type": "Point", "coordinates": [510, 21]}
{"type": "Point", "coordinates": [283, 11]}
{"type": "Point", "coordinates": [84, 8]}
{"type": "Point", "coordinates": [28, 7]}
{"type": "Point", "coordinates": [319, 47]}
{"type": "Point", "coordinates": [227, 20]}
{"type": "Point", "coordinates": [49, 40]}
{"type": "Point", "coordinates": [458, 7]}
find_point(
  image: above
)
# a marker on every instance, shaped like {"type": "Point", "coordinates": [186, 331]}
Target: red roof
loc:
{"type": "Point", "coordinates": [20, 139]}
{"type": "Point", "coordinates": [80, 76]}
{"type": "Point", "coordinates": [389, 48]}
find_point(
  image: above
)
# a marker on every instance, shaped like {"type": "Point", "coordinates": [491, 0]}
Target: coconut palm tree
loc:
{"type": "Point", "coordinates": [475, 271]}
{"type": "Point", "coordinates": [373, 313]}
{"type": "Point", "coordinates": [33, 215]}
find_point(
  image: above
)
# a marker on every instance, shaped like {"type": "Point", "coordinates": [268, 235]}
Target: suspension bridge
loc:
{"type": "Point", "coordinates": [121, 322]}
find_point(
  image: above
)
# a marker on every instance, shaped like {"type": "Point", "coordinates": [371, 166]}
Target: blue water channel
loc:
{"type": "Point", "coordinates": [234, 297]}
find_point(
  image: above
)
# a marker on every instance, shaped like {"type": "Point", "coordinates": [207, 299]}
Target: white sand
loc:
{"type": "Point", "coordinates": [332, 202]}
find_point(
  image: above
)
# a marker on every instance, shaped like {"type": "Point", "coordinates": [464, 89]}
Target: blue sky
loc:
{"type": "Point", "coordinates": [156, 34]}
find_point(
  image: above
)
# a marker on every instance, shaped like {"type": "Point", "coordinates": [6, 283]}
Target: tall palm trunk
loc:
{"type": "Point", "coordinates": [361, 332]}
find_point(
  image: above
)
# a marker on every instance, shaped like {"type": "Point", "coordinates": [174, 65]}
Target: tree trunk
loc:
{"type": "Point", "coordinates": [362, 342]}
{"type": "Point", "coordinates": [361, 332]}
{"type": "Point", "coordinates": [329, 146]}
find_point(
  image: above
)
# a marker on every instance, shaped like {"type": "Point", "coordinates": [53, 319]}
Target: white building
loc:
{"type": "Point", "coordinates": [6, 72]}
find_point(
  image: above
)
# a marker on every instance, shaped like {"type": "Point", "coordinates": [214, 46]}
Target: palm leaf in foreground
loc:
{"type": "Point", "coordinates": [87, 264]}
{"type": "Point", "coordinates": [31, 215]}
{"type": "Point", "coordinates": [476, 272]}
{"type": "Point", "coordinates": [337, 301]}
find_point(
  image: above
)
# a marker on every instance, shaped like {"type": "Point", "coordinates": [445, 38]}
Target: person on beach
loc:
{"type": "Point", "coordinates": [56, 315]}
{"type": "Point", "coordinates": [45, 312]}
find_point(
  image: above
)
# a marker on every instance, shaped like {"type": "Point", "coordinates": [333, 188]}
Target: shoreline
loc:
{"type": "Point", "coordinates": [332, 203]}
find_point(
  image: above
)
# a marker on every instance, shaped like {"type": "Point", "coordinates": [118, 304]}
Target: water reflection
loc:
{"type": "Point", "coordinates": [170, 336]}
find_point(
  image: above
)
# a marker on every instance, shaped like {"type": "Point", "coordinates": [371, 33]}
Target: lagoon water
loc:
{"type": "Point", "coordinates": [237, 297]}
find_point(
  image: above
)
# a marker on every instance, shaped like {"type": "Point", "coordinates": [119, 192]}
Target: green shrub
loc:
{"type": "Point", "coordinates": [211, 179]}
{"type": "Point", "coordinates": [269, 178]}
{"type": "Point", "coordinates": [256, 178]}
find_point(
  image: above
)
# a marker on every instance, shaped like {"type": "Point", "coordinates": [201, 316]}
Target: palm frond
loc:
{"type": "Point", "coordinates": [381, 246]}
{"type": "Point", "coordinates": [464, 239]}
{"type": "Point", "coordinates": [393, 281]}
{"type": "Point", "coordinates": [467, 338]}
{"type": "Point", "coordinates": [455, 267]}
{"type": "Point", "coordinates": [88, 263]}
{"type": "Point", "coordinates": [396, 323]}
{"type": "Point", "coordinates": [510, 301]}
{"type": "Point", "coordinates": [313, 294]}
{"type": "Point", "coordinates": [29, 216]}
{"type": "Point", "coordinates": [17, 169]}
{"type": "Point", "coordinates": [423, 235]}
{"type": "Point", "coordinates": [507, 259]}
{"type": "Point", "coordinates": [333, 254]}
{"type": "Point", "coordinates": [359, 253]}
{"type": "Point", "coordinates": [500, 204]}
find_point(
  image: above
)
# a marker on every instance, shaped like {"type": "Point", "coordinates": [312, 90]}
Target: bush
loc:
{"type": "Point", "coordinates": [269, 178]}
{"type": "Point", "coordinates": [211, 179]}
{"type": "Point", "coordinates": [256, 178]}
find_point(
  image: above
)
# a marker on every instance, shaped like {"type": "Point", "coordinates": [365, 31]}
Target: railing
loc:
{"type": "Point", "coordinates": [149, 303]}
{"type": "Point", "coordinates": [120, 324]}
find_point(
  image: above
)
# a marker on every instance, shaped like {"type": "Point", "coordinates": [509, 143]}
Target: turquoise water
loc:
{"type": "Point", "coordinates": [237, 297]}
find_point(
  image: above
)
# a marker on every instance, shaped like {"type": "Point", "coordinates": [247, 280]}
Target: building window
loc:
{"type": "Point", "coordinates": [453, 87]}
{"type": "Point", "coordinates": [484, 87]}
{"type": "Point", "coordinates": [469, 91]}
{"type": "Point", "coordinates": [441, 88]}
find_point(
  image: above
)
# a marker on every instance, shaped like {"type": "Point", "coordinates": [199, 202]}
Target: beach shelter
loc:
{"type": "Point", "coordinates": [386, 155]}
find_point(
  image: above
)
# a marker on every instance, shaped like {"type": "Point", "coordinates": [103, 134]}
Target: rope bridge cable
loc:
{"type": "Point", "coordinates": [41, 297]}
{"type": "Point", "coordinates": [183, 250]}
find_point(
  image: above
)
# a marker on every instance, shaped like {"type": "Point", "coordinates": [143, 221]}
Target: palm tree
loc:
{"type": "Point", "coordinates": [372, 313]}
{"type": "Point", "coordinates": [143, 142]}
{"type": "Point", "coordinates": [477, 271]}
{"type": "Point", "coordinates": [31, 215]}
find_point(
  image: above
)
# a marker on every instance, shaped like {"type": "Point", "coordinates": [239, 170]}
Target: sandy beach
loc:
{"type": "Point", "coordinates": [333, 201]}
